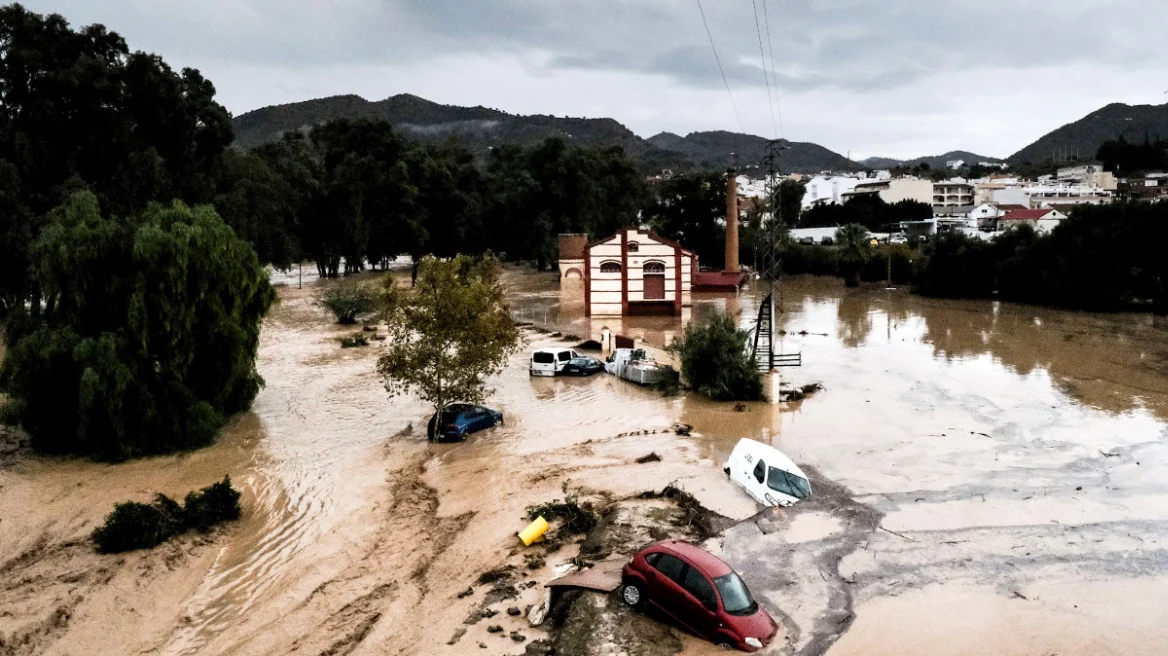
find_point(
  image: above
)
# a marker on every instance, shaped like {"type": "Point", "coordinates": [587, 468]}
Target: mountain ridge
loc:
{"type": "Point", "coordinates": [481, 128]}
{"type": "Point", "coordinates": [1081, 139]}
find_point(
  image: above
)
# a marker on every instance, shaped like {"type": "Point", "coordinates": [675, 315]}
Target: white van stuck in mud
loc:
{"type": "Point", "coordinates": [550, 361]}
{"type": "Point", "coordinates": [766, 474]}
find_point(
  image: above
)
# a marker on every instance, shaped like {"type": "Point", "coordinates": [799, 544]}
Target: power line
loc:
{"type": "Point", "coordinates": [765, 76]}
{"type": "Point", "coordinates": [774, 76]}
{"type": "Point", "coordinates": [720, 71]}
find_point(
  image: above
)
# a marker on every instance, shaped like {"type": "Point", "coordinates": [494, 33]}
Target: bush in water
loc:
{"type": "Point", "coordinates": [349, 301]}
{"type": "Point", "coordinates": [134, 525]}
{"type": "Point", "coordinates": [715, 361]}
{"type": "Point", "coordinates": [216, 503]}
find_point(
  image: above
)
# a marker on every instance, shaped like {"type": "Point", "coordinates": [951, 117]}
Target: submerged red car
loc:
{"type": "Point", "coordinates": [699, 591]}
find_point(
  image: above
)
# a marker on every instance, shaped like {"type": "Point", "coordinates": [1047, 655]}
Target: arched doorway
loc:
{"type": "Point", "coordinates": [654, 281]}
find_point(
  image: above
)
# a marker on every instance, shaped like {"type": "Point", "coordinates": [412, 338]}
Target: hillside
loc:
{"type": "Point", "coordinates": [720, 149]}
{"type": "Point", "coordinates": [934, 161]}
{"type": "Point", "coordinates": [481, 128]}
{"type": "Point", "coordinates": [1081, 139]}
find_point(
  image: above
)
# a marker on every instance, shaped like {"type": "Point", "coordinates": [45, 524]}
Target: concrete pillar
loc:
{"type": "Point", "coordinates": [732, 221]}
{"type": "Point", "coordinates": [770, 385]}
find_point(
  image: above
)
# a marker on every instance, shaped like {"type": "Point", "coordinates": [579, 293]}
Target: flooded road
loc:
{"type": "Point", "coordinates": [989, 478]}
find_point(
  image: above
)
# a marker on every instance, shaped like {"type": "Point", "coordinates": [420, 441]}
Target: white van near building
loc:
{"type": "Point", "coordinates": [550, 361]}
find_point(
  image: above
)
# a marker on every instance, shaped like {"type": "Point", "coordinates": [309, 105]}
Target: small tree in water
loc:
{"type": "Point", "coordinates": [715, 361]}
{"type": "Point", "coordinates": [448, 333]}
{"type": "Point", "coordinates": [349, 300]}
{"type": "Point", "coordinates": [855, 244]}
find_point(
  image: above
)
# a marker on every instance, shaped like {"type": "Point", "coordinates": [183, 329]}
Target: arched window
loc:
{"type": "Point", "coordinates": [654, 267]}
{"type": "Point", "coordinates": [610, 267]}
{"type": "Point", "coordinates": [633, 247]}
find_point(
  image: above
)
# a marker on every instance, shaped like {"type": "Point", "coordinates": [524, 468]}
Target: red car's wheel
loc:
{"type": "Point", "coordinates": [631, 595]}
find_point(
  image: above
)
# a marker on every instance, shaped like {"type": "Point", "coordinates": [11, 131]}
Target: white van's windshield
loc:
{"type": "Point", "coordinates": [788, 484]}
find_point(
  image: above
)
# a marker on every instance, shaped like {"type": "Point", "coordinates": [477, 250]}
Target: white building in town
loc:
{"type": "Point", "coordinates": [828, 190]}
{"type": "Point", "coordinates": [895, 190]}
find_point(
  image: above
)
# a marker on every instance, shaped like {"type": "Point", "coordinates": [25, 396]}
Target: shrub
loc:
{"type": "Point", "coordinates": [216, 503]}
{"type": "Point", "coordinates": [349, 300]}
{"type": "Point", "coordinates": [134, 525]}
{"type": "Point", "coordinates": [715, 361]}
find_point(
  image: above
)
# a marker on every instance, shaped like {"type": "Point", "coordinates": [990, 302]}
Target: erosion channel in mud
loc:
{"type": "Point", "coordinates": [989, 478]}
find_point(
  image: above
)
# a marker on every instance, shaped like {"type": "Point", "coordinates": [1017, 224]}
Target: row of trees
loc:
{"type": "Point", "coordinates": [1125, 157]}
{"type": "Point", "coordinates": [356, 191]}
{"type": "Point", "coordinates": [131, 308]}
{"type": "Point", "coordinates": [868, 210]}
{"type": "Point", "coordinates": [1107, 257]}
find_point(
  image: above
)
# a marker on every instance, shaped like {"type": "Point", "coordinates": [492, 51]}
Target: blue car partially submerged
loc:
{"type": "Point", "coordinates": [460, 420]}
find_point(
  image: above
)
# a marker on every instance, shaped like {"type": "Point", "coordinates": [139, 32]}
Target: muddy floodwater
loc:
{"type": "Point", "coordinates": [989, 479]}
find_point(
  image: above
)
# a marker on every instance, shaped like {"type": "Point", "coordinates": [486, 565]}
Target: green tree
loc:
{"type": "Point", "coordinates": [79, 110]}
{"type": "Point", "coordinates": [715, 360]}
{"type": "Point", "coordinates": [855, 247]}
{"type": "Point", "coordinates": [448, 333]}
{"type": "Point", "coordinates": [145, 335]}
{"type": "Point", "coordinates": [350, 301]}
{"type": "Point", "coordinates": [691, 209]}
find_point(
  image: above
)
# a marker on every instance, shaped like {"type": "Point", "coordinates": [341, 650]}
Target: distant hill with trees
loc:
{"type": "Point", "coordinates": [719, 150]}
{"type": "Point", "coordinates": [482, 129]}
{"type": "Point", "coordinates": [1080, 141]}
{"type": "Point", "coordinates": [933, 161]}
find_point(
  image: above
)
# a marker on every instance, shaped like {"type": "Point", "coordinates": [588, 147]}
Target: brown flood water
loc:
{"type": "Point", "coordinates": [972, 433]}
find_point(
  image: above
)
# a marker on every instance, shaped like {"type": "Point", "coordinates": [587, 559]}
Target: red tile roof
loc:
{"type": "Point", "coordinates": [1010, 208]}
{"type": "Point", "coordinates": [1023, 215]}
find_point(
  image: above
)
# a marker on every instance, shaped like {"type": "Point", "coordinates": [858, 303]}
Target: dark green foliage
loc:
{"type": "Point", "coordinates": [350, 301]}
{"type": "Point", "coordinates": [876, 269]}
{"type": "Point", "coordinates": [688, 209]}
{"type": "Point", "coordinates": [810, 259]}
{"type": "Point", "coordinates": [214, 504]}
{"type": "Point", "coordinates": [145, 335]}
{"type": "Point", "coordinates": [79, 110]}
{"type": "Point", "coordinates": [855, 249]}
{"type": "Point", "coordinates": [134, 525]}
{"type": "Point", "coordinates": [539, 192]}
{"type": "Point", "coordinates": [716, 362]}
{"type": "Point", "coordinates": [1127, 158]}
{"type": "Point", "coordinates": [869, 211]}
{"type": "Point", "coordinates": [1101, 258]}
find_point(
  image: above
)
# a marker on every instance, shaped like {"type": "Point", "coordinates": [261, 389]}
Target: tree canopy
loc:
{"type": "Point", "coordinates": [448, 333]}
{"type": "Point", "coordinates": [79, 110]}
{"type": "Point", "coordinates": [145, 335]}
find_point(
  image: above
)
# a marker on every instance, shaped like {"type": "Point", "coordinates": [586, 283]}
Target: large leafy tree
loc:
{"type": "Point", "coordinates": [146, 334]}
{"type": "Point", "coordinates": [691, 209]}
{"type": "Point", "coordinates": [79, 110]}
{"type": "Point", "coordinates": [448, 333]}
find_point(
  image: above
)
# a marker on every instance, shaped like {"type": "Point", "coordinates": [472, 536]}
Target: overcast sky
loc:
{"type": "Point", "coordinates": [897, 78]}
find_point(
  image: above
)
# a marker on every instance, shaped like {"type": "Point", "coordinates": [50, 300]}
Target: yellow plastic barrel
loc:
{"type": "Point", "coordinates": [534, 531]}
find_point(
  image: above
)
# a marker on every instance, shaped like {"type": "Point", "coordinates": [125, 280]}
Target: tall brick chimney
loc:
{"type": "Point", "coordinates": [732, 221]}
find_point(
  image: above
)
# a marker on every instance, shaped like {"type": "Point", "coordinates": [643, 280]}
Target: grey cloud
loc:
{"type": "Point", "coordinates": [818, 44]}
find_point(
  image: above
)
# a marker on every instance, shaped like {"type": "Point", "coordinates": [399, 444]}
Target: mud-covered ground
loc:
{"type": "Point", "coordinates": [989, 479]}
